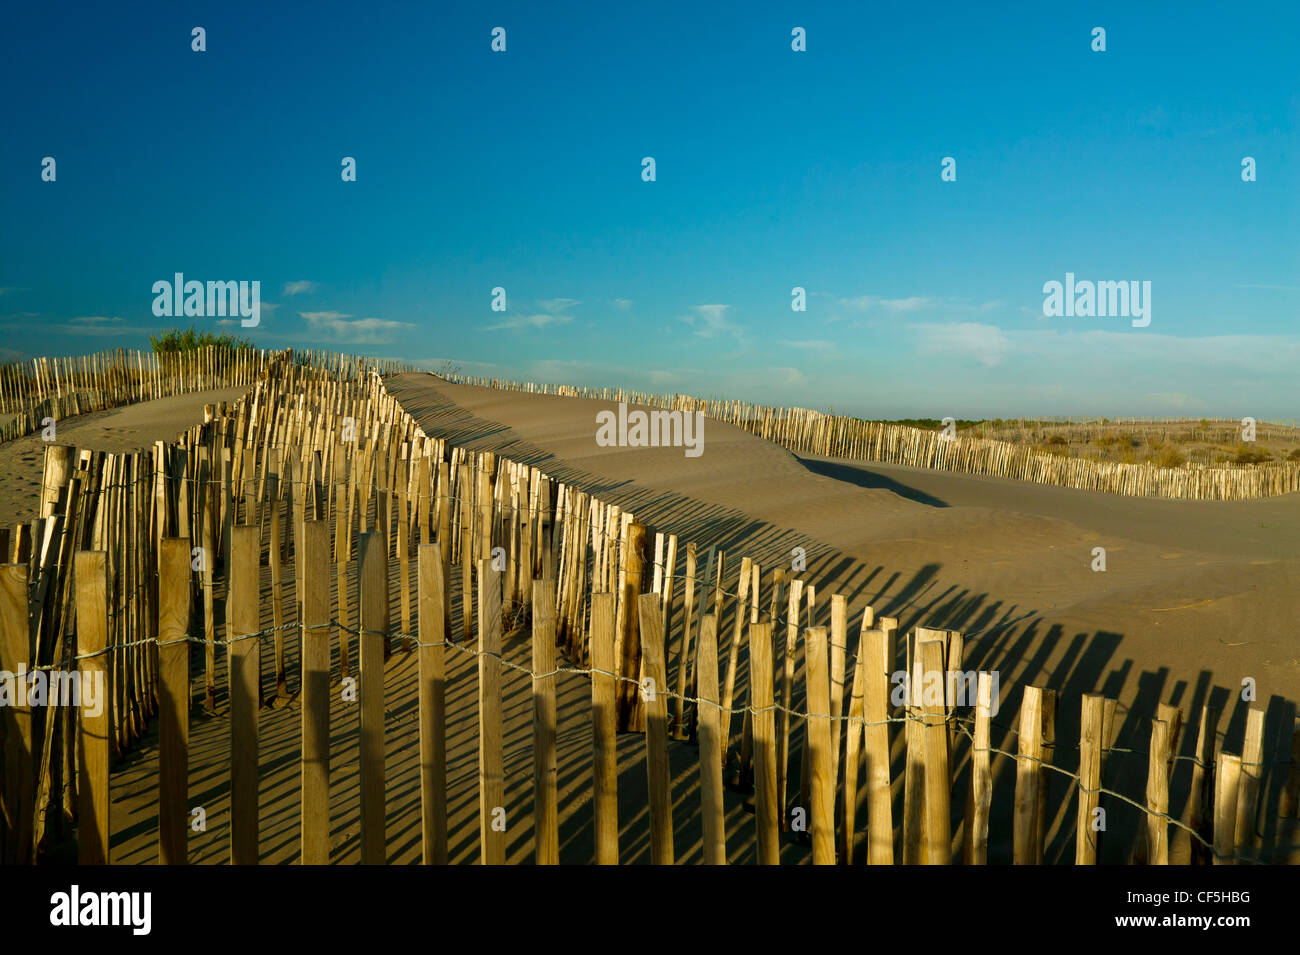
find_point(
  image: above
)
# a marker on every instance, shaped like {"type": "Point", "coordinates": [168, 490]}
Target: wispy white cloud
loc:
{"type": "Point", "coordinates": [784, 375]}
{"type": "Point", "coordinates": [343, 328]}
{"type": "Point", "coordinates": [1102, 355]}
{"type": "Point", "coordinates": [710, 321]}
{"type": "Point", "coordinates": [987, 344]}
{"type": "Point", "coordinates": [896, 306]}
{"type": "Point", "coordinates": [868, 305]}
{"type": "Point", "coordinates": [554, 311]}
{"type": "Point", "coordinates": [558, 306]}
{"type": "Point", "coordinates": [808, 344]}
{"type": "Point", "coordinates": [622, 304]}
{"type": "Point", "coordinates": [88, 326]}
{"type": "Point", "coordinates": [538, 320]}
{"type": "Point", "coordinates": [300, 287]}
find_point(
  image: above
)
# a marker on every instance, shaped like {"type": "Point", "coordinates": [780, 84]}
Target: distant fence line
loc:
{"type": "Point", "coordinates": [59, 388]}
{"type": "Point", "coordinates": [321, 463]}
{"type": "Point", "coordinates": [839, 436]}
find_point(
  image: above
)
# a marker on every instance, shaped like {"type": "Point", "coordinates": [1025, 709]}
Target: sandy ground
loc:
{"type": "Point", "coordinates": [128, 428]}
{"type": "Point", "coordinates": [1196, 597]}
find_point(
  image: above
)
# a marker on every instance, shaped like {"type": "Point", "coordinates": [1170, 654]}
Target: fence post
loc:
{"type": "Point", "coordinates": [276, 546]}
{"type": "Point", "coordinates": [492, 840]}
{"type": "Point", "coordinates": [545, 800]}
{"type": "Point", "coordinates": [174, 709]}
{"type": "Point", "coordinates": [1157, 827]}
{"type": "Point", "coordinates": [445, 503]}
{"type": "Point", "coordinates": [976, 847]}
{"type": "Point", "coordinates": [404, 558]}
{"type": "Point", "coordinates": [651, 626]}
{"type": "Point", "coordinates": [787, 691]}
{"type": "Point", "coordinates": [209, 504]}
{"type": "Point", "coordinates": [465, 487]}
{"type": "Point", "coordinates": [1090, 743]}
{"type": "Point", "coordinates": [767, 812]}
{"type": "Point", "coordinates": [631, 714]}
{"type": "Point", "coordinates": [934, 744]}
{"type": "Point", "coordinates": [92, 638]}
{"type": "Point", "coordinates": [684, 644]}
{"type": "Point", "coordinates": [710, 739]}
{"type": "Point", "coordinates": [315, 677]}
{"type": "Point", "coordinates": [839, 650]}
{"type": "Point", "coordinates": [733, 652]}
{"type": "Point", "coordinates": [373, 640]}
{"type": "Point", "coordinates": [243, 656]}
{"type": "Point", "coordinates": [1200, 796]}
{"type": "Point", "coordinates": [1227, 775]}
{"type": "Point", "coordinates": [19, 784]}
{"type": "Point", "coordinates": [431, 610]}
{"type": "Point", "coordinates": [875, 749]}
{"type": "Point", "coordinates": [1048, 715]}
{"type": "Point", "coordinates": [1025, 840]}
{"type": "Point", "coordinates": [822, 790]}
{"type": "Point", "coordinates": [853, 754]}
{"type": "Point", "coordinates": [1252, 754]}
{"type": "Point", "coordinates": [1290, 799]}
{"type": "Point", "coordinates": [605, 761]}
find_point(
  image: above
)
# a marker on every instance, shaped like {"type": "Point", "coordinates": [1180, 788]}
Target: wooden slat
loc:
{"type": "Point", "coordinates": [976, 837]}
{"type": "Point", "coordinates": [1227, 776]}
{"type": "Point", "coordinates": [604, 728]}
{"type": "Point", "coordinates": [431, 609]}
{"type": "Point", "coordinates": [1157, 827]}
{"type": "Point", "coordinates": [875, 750]}
{"type": "Point", "coordinates": [937, 849]}
{"type": "Point", "coordinates": [710, 738]}
{"type": "Point", "coordinates": [373, 600]}
{"type": "Point", "coordinates": [822, 791]}
{"type": "Point", "coordinates": [631, 712]}
{"type": "Point", "coordinates": [684, 645]}
{"type": "Point", "coordinates": [1252, 755]}
{"type": "Point", "coordinates": [19, 782]}
{"type": "Point", "coordinates": [659, 776]}
{"type": "Point", "coordinates": [315, 768]}
{"type": "Point", "coordinates": [174, 693]}
{"type": "Point", "coordinates": [1090, 747]}
{"type": "Point", "coordinates": [244, 659]}
{"type": "Point", "coordinates": [491, 760]}
{"type": "Point", "coordinates": [1027, 776]}
{"type": "Point", "coordinates": [93, 729]}
{"type": "Point", "coordinates": [545, 799]}
{"type": "Point", "coordinates": [767, 811]}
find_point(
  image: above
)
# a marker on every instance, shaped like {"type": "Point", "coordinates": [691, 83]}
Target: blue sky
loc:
{"type": "Point", "coordinates": [774, 169]}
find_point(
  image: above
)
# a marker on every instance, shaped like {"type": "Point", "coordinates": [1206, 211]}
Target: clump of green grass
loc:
{"type": "Point", "coordinates": [174, 340]}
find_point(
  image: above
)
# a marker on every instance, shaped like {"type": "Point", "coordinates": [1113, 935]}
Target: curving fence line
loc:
{"type": "Point", "coordinates": [839, 436]}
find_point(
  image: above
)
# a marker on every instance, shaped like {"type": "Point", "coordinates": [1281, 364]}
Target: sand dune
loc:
{"type": "Point", "coordinates": [127, 428]}
{"type": "Point", "coordinates": [1196, 597]}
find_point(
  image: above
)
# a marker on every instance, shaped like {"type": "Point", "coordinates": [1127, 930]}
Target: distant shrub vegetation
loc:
{"type": "Point", "coordinates": [174, 340]}
{"type": "Point", "coordinates": [932, 423]}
